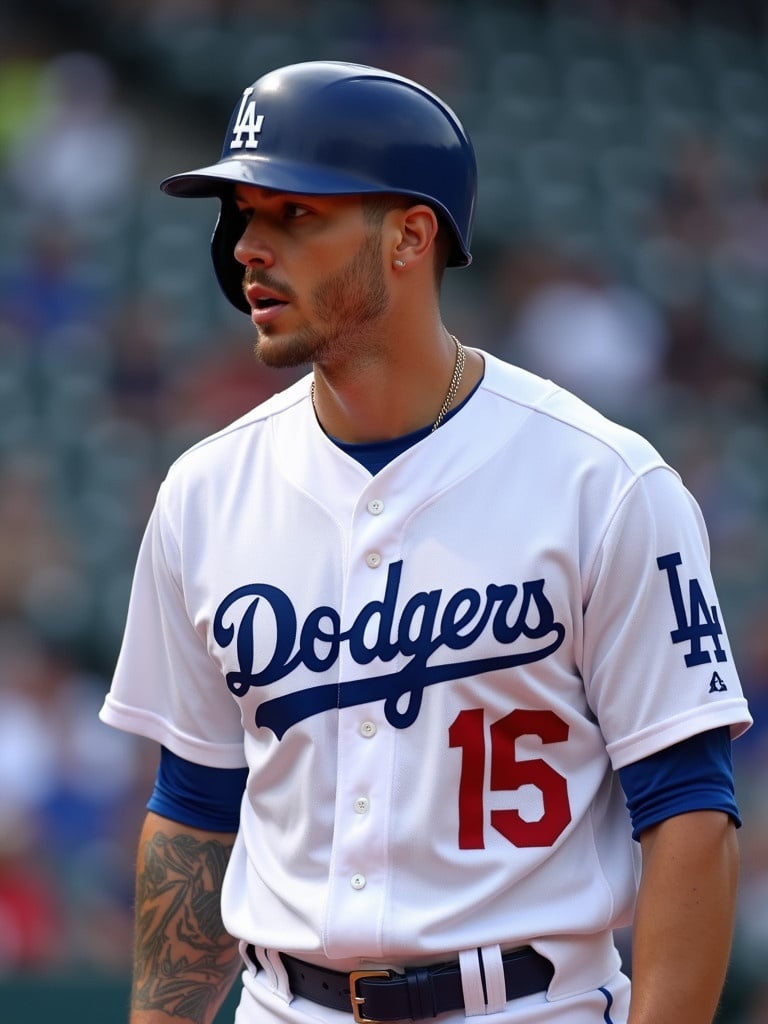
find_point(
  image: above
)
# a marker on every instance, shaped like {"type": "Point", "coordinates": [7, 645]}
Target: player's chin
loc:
{"type": "Point", "coordinates": [284, 350]}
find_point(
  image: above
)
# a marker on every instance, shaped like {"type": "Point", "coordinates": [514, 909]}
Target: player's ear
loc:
{"type": "Point", "coordinates": [416, 231]}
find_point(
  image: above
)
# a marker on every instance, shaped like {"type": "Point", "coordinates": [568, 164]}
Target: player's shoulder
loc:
{"type": "Point", "coordinates": [221, 449]}
{"type": "Point", "coordinates": [571, 422]}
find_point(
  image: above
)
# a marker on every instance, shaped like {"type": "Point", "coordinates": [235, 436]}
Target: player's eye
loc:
{"type": "Point", "coordinates": [293, 211]}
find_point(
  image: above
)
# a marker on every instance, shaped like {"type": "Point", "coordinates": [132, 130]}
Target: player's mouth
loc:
{"type": "Point", "coordinates": [265, 305]}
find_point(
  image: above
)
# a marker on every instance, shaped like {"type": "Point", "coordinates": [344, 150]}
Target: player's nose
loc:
{"type": "Point", "coordinates": [253, 248]}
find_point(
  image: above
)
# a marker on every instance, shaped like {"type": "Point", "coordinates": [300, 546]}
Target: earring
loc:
{"type": "Point", "coordinates": [398, 263]}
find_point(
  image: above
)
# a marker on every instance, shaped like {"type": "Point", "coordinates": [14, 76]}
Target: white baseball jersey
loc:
{"type": "Point", "coordinates": [431, 673]}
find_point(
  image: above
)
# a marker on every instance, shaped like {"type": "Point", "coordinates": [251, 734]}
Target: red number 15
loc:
{"type": "Point", "coordinates": [507, 773]}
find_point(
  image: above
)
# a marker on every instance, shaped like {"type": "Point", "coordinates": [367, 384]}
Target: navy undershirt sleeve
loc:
{"type": "Point", "coordinates": [694, 775]}
{"type": "Point", "coordinates": [197, 795]}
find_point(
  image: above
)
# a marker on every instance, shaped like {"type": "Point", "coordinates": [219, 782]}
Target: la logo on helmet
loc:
{"type": "Point", "coordinates": [247, 123]}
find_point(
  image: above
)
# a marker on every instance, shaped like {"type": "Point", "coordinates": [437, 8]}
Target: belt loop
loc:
{"type": "Point", "coordinates": [495, 983]}
{"type": "Point", "coordinates": [472, 982]}
{"type": "Point", "coordinates": [248, 953]}
{"type": "Point", "coordinates": [482, 980]}
{"type": "Point", "coordinates": [275, 974]}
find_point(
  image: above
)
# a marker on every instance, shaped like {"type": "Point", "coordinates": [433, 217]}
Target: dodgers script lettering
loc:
{"type": "Point", "coordinates": [426, 623]}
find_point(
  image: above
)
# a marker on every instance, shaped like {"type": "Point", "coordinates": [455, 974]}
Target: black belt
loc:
{"type": "Point", "coordinates": [419, 993]}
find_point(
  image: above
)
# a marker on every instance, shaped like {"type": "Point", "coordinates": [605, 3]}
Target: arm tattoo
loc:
{"type": "Point", "coordinates": [184, 960]}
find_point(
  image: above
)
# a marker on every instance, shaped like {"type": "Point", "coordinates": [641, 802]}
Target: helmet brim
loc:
{"type": "Point", "coordinates": [282, 176]}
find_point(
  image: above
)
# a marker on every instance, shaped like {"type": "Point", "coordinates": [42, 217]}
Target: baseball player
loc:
{"type": "Point", "coordinates": [431, 649]}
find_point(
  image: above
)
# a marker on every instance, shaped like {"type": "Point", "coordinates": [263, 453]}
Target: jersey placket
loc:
{"type": "Point", "coordinates": [359, 870]}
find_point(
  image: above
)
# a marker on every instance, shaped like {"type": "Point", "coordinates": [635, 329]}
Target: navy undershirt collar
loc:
{"type": "Point", "coordinates": [375, 455]}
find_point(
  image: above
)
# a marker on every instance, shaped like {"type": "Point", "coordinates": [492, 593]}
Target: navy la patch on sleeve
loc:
{"type": "Point", "coordinates": [696, 623]}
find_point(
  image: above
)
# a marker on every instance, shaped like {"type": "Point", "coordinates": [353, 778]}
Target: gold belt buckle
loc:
{"type": "Point", "coordinates": [356, 1000]}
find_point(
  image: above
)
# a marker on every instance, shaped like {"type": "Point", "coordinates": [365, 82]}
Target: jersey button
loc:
{"type": "Point", "coordinates": [361, 805]}
{"type": "Point", "coordinates": [367, 729]}
{"type": "Point", "coordinates": [375, 506]}
{"type": "Point", "coordinates": [357, 881]}
{"type": "Point", "coordinates": [373, 560]}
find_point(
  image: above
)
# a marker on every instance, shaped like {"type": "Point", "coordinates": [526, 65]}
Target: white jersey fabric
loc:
{"type": "Point", "coordinates": [431, 674]}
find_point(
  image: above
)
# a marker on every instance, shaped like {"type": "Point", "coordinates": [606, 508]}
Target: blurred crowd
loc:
{"type": "Point", "coordinates": [621, 249]}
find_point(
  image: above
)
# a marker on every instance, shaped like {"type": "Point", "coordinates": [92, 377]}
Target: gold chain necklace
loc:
{"type": "Point", "coordinates": [453, 387]}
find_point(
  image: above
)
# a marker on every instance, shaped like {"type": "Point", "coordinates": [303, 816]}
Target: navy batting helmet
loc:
{"type": "Point", "coordinates": [331, 128]}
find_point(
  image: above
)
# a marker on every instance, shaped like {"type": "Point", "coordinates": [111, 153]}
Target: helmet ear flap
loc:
{"type": "Point", "coordinates": [228, 231]}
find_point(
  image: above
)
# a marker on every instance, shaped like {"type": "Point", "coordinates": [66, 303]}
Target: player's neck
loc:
{"type": "Point", "coordinates": [394, 393]}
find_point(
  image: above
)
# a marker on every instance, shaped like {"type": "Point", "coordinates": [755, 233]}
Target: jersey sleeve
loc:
{"type": "Point", "coordinates": [165, 685]}
{"type": "Point", "coordinates": [657, 663]}
{"type": "Point", "coordinates": [197, 795]}
{"type": "Point", "coordinates": [694, 775]}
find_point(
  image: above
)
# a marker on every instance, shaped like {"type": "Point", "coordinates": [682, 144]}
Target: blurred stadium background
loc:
{"type": "Point", "coordinates": [621, 248]}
